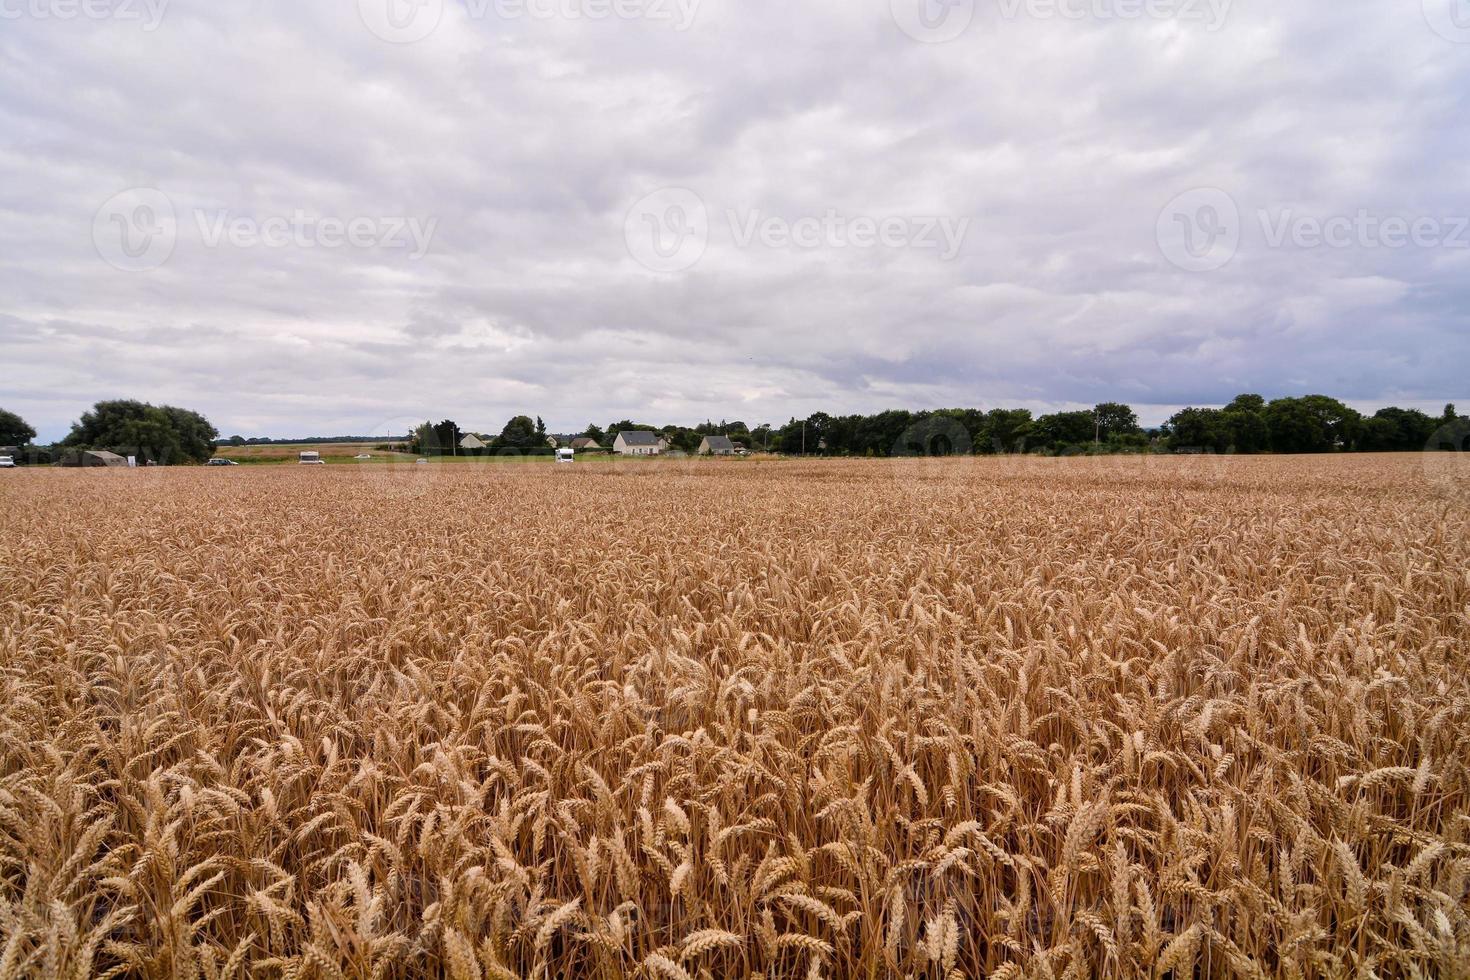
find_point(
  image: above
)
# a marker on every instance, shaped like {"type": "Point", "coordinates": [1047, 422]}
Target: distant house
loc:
{"type": "Point", "coordinates": [551, 441]}
{"type": "Point", "coordinates": [93, 457]}
{"type": "Point", "coordinates": [471, 441]}
{"type": "Point", "coordinates": [638, 444]}
{"type": "Point", "coordinates": [584, 443]}
{"type": "Point", "coordinates": [716, 446]}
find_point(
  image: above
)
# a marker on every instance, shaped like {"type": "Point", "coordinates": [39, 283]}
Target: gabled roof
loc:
{"type": "Point", "coordinates": [583, 442]}
{"type": "Point", "coordinates": [719, 442]}
{"type": "Point", "coordinates": [639, 438]}
{"type": "Point", "coordinates": [471, 441]}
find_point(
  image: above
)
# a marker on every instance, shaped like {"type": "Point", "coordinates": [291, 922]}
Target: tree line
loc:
{"type": "Point", "coordinates": [1249, 424]}
{"type": "Point", "coordinates": [166, 434]}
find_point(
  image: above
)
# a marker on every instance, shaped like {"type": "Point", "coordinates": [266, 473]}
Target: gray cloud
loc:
{"type": "Point", "coordinates": [529, 139]}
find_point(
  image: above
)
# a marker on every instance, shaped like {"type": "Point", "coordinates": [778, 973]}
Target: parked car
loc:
{"type": "Point", "coordinates": [312, 459]}
{"type": "Point", "coordinates": [7, 463]}
{"type": "Point", "coordinates": [221, 461]}
{"type": "Point", "coordinates": [422, 462]}
{"type": "Point", "coordinates": [363, 456]}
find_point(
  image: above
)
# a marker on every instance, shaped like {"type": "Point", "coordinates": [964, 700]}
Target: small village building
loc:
{"type": "Point", "coordinates": [93, 457]}
{"type": "Point", "coordinates": [716, 446]}
{"type": "Point", "coordinates": [638, 444]}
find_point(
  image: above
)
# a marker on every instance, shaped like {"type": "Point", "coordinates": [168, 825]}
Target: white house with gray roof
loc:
{"type": "Point", "coordinates": [638, 444]}
{"type": "Point", "coordinates": [716, 446]}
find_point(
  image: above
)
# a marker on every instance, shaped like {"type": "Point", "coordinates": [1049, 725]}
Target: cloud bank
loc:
{"type": "Point", "coordinates": [348, 217]}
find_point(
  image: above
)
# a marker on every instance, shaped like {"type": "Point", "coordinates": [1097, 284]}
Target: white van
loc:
{"type": "Point", "coordinates": [7, 463]}
{"type": "Point", "coordinates": [312, 459]}
{"type": "Point", "coordinates": [567, 455]}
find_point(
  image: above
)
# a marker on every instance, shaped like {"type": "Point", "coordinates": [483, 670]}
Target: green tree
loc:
{"type": "Point", "coordinates": [196, 436]}
{"type": "Point", "coordinates": [1248, 431]}
{"type": "Point", "coordinates": [520, 433]}
{"type": "Point", "coordinates": [1063, 429]}
{"type": "Point", "coordinates": [1245, 421]}
{"type": "Point", "coordinates": [596, 434]}
{"type": "Point", "coordinates": [791, 438]}
{"type": "Point", "coordinates": [158, 434]}
{"type": "Point", "coordinates": [1247, 403]}
{"type": "Point", "coordinates": [934, 434]}
{"type": "Point", "coordinates": [423, 442]}
{"type": "Point", "coordinates": [1396, 430]}
{"type": "Point", "coordinates": [1198, 430]}
{"type": "Point", "coordinates": [1006, 430]}
{"type": "Point", "coordinates": [14, 430]}
{"type": "Point", "coordinates": [446, 438]}
{"type": "Point", "coordinates": [1115, 419]}
{"type": "Point", "coordinates": [1312, 424]}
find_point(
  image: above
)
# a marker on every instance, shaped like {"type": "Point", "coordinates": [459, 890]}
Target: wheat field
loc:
{"type": "Point", "coordinates": [965, 718]}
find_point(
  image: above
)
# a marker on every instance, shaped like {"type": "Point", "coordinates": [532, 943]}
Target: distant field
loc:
{"type": "Point", "coordinates": [335, 453]}
{"type": "Point", "coordinates": [1161, 717]}
{"type": "Point", "coordinates": [346, 452]}
{"type": "Point", "coordinates": [332, 452]}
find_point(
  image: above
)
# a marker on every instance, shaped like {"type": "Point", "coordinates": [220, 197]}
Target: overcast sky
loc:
{"type": "Point", "coordinates": [341, 217]}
